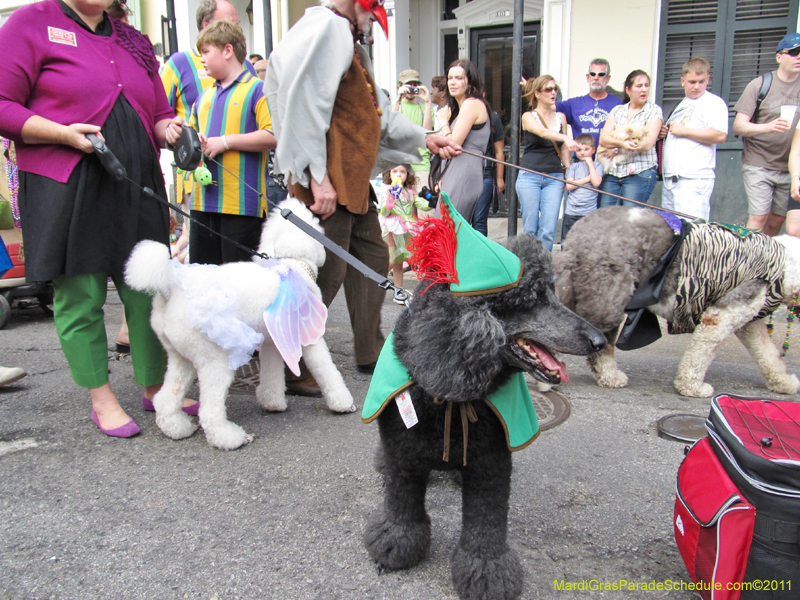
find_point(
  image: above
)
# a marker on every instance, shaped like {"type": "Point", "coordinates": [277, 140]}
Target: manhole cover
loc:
{"type": "Point", "coordinates": [246, 379]}
{"type": "Point", "coordinates": [683, 428]}
{"type": "Point", "coordinates": [551, 407]}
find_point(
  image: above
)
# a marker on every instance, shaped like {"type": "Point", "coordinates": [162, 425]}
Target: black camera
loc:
{"type": "Point", "coordinates": [413, 90]}
{"type": "Point", "coordinates": [431, 197]}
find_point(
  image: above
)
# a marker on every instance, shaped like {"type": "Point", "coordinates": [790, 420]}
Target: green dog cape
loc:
{"type": "Point", "coordinates": [449, 250]}
{"type": "Point", "coordinates": [511, 403]}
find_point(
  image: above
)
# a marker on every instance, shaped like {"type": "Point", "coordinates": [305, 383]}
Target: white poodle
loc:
{"type": "Point", "coordinates": [210, 319]}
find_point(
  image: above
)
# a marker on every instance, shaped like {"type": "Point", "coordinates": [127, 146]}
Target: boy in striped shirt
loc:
{"type": "Point", "coordinates": [235, 129]}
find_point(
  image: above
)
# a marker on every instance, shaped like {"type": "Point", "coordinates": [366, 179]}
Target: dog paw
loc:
{"type": "Point", "coordinates": [612, 379]}
{"type": "Point", "coordinates": [787, 384]}
{"type": "Point", "coordinates": [487, 577]}
{"type": "Point", "coordinates": [227, 436]}
{"type": "Point", "coordinates": [702, 390]}
{"type": "Point", "coordinates": [396, 545]}
{"type": "Point", "coordinates": [271, 401]}
{"type": "Point", "coordinates": [176, 426]}
{"type": "Point", "coordinates": [341, 401]}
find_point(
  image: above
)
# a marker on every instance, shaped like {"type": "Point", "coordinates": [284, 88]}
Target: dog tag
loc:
{"type": "Point", "coordinates": [406, 408]}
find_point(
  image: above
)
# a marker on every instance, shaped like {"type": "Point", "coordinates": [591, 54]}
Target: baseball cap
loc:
{"type": "Point", "coordinates": [789, 42]}
{"type": "Point", "coordinates": [412, 75]}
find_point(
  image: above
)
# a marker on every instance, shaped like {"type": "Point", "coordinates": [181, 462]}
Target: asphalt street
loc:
{"type": "Point", "coordinates": [87, 516]}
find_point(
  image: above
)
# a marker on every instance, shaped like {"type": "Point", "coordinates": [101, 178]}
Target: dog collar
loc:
{"type": "Point", "coordinates": [306, 267]}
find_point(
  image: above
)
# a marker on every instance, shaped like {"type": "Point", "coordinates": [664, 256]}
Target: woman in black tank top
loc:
{"type": "Point", "coordinates": [547, 150]}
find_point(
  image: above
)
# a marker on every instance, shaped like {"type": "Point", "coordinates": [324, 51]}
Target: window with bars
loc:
{"type": "Point", "coordinates": [738, 38]}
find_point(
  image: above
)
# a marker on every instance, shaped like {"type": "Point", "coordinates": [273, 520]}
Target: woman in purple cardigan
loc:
{"type": "Point", "coordinates": [71, 70]}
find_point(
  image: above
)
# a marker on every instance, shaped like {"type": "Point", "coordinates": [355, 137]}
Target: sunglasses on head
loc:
{"type": "Point", "coordinates": [597, 73]}
{"type": "Point", "coordinates": [793, 52]}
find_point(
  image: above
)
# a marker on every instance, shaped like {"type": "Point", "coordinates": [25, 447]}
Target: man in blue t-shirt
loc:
{"type": "Point", "coordinates": [588, 114]}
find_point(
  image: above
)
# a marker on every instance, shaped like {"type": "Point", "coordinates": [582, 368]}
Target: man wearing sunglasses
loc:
{"type": "Point", "coordinates": [335, 130]}
{"type": "Point", "coordinates": [767, 131]}
{"type": "Point", "coordinates": [588, 114]}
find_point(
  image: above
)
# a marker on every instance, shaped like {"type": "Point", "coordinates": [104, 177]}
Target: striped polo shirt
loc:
{"type": "Point", "coordinates": [184, 77]}
{"type": "Point", "coordinates": [239, 108]}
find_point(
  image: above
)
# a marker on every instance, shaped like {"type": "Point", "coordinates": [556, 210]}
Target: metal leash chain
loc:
{"type": "Point", "coordinates": [384, 282]}
{"type": "Point", "coordinates": [585, 187]}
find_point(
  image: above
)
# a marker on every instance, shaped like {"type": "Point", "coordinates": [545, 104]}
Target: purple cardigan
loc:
{"type": "Point", "coordinates": [56, 69]}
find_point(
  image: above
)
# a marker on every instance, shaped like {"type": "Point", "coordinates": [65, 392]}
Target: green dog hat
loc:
{"type": "Point", "coordinates": [449, 250]}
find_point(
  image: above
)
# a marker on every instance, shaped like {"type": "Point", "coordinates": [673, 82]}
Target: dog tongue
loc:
{"type": "Point", "coordinates": [550, 363]}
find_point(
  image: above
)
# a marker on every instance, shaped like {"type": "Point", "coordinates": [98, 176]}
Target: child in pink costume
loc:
{"type": "Point", "coordinates": [397, 215]}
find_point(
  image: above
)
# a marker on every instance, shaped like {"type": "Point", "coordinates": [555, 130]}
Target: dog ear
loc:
{"type": "Point", "coordinates": [450, 346]}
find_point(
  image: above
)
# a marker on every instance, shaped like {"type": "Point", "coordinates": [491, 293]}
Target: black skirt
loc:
{"type": "Point", "coordinates": [91, 223]}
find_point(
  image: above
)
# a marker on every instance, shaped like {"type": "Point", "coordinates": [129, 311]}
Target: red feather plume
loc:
{"type": "Point", "coordinates": [433, 249]}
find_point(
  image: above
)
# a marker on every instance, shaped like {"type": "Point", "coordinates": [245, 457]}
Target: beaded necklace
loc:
{"type": "Point", "coordinates": [789, 321]}
{"type": "Point", "coordinates": [360, 64]}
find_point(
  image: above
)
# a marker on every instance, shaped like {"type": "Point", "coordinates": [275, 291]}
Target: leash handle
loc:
{"type": "Point", "coordinates": [107, 159]}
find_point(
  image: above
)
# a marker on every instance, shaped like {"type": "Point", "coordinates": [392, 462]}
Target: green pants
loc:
{"type": "Point", "coordinates": [78, 308]}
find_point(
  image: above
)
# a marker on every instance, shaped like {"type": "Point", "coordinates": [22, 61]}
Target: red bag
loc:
{"type": "Point", "coordinates": [713, 524]}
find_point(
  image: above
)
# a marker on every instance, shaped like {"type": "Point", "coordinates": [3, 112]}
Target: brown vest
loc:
{"type": "Point", "coordinates": [353, 140]}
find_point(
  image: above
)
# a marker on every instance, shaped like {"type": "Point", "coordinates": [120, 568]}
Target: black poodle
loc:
{"type": "Point", "coordinates": [459, 350]}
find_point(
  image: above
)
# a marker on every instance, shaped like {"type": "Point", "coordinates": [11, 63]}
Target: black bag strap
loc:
{"type": "Point", "coordinates": [766, 83]}
{"type": "Point", "coordinates": [783, 532]}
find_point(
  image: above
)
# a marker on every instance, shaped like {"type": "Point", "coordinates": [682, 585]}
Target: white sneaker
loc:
{"type": "Point", "coordinates": [11, 374]}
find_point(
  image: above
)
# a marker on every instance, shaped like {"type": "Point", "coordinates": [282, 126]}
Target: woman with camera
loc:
{"type": "Point", "coordinates": [414, 101]}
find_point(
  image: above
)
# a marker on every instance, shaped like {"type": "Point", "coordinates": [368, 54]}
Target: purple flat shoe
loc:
{"type": "Point", "coordinates": [189, 410]}
{"type": "Point", "coordinates": [128, 430]}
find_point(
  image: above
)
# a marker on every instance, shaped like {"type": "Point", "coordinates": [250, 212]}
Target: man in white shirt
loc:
{"type": "Point", "coordinates": [694, 129]}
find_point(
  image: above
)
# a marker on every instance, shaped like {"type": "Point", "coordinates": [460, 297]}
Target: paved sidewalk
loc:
{"type": "Point", "coordinates": [83, 516]}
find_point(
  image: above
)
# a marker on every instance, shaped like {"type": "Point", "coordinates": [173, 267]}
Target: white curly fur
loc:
{"type": "Point", "coordinates": [190, 352]}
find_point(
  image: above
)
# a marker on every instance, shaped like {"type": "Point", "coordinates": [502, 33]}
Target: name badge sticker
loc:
{"type": "Point", "coordinates": [61, 36]}
{"type": "Point", "coordinates": [406, 408]}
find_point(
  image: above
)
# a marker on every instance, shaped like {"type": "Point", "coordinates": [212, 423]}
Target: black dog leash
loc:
{"type": "Point", "coordinates": [585, 187]}
{"type": "Point", "coordinates": [187, 156]}
{"type": "Point", "coordinates": [117, 171]}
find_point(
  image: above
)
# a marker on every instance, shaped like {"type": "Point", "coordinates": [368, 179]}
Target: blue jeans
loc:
{"type": "Point", "coordinates": [636, 187]}
{"type": "Point", "coordinates": [567, 221]}
{"type": "Point", "coordinates": [540, 200]}
{"type": "Point", "coordinates": [481, 214]}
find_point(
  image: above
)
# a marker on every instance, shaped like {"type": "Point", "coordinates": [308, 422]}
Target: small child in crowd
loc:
{"type": "Point", "coordinates": [235, 128]}
{"type": "Point", "coordinates": [397, 217]}
{"type": "Point", "coordinates": [584, 171]}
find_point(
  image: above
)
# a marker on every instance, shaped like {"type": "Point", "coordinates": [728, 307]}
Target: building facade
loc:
{"type": "Point", "coordinates": [561, 37]}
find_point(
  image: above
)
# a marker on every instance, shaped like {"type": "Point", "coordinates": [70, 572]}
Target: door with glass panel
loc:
{"type": "Point", "coordinates": [492, 50]}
